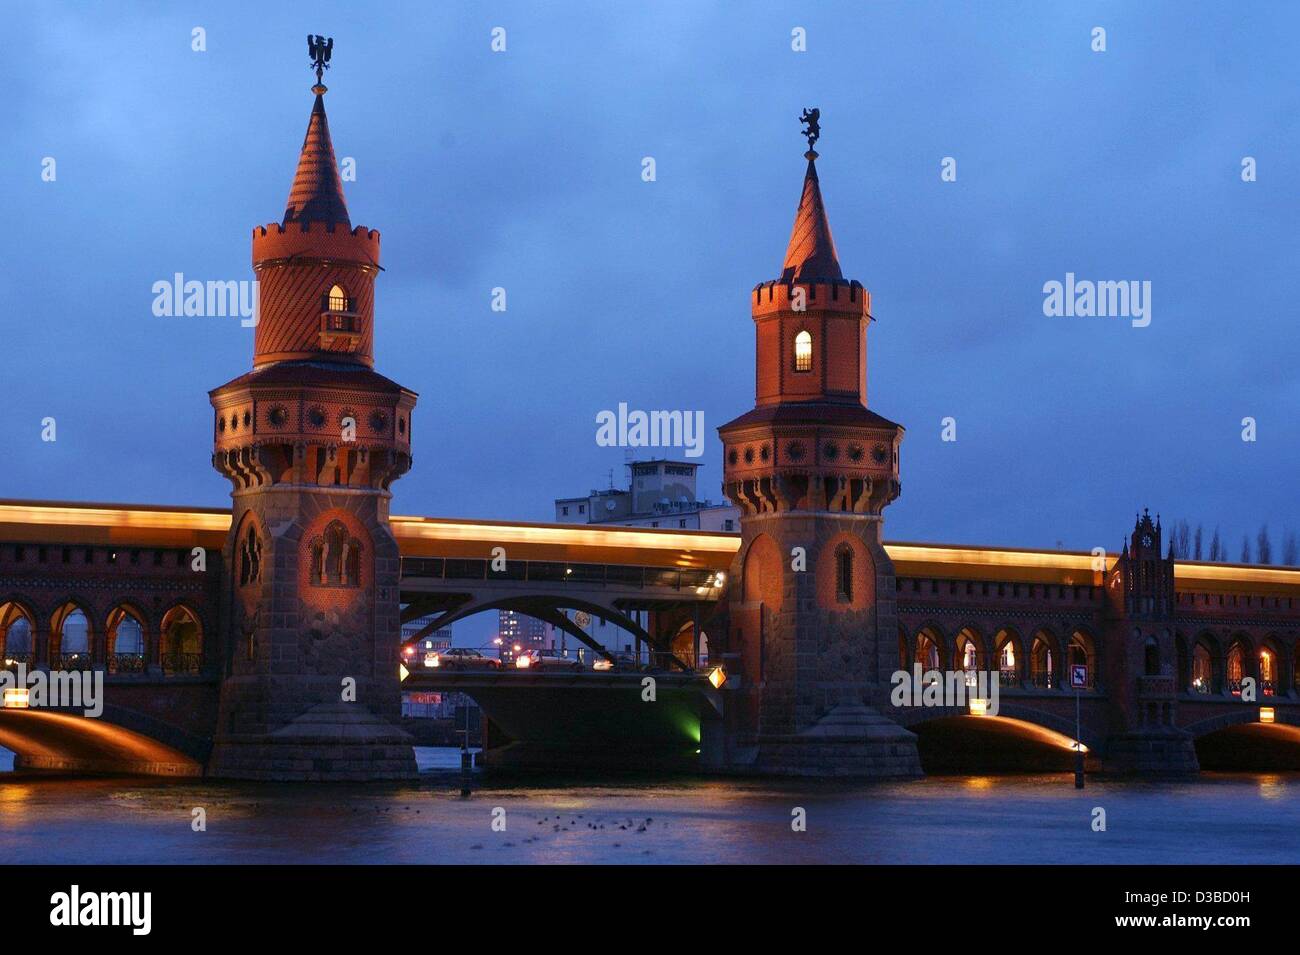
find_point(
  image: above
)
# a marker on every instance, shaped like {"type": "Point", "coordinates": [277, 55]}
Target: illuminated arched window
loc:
{"type": "Point", "coordinates": [1235, 668]}
{"type": "Point", "coordinates": [338, 299]}
{"type": "Point", "coordinates": [1202, 669]}
{"type": "Point", "coordinates": [927, 651]}
{"type": "Point", "coordinates": [803, 351]}
{"type": "Point", "coordinates": [1267, 671]}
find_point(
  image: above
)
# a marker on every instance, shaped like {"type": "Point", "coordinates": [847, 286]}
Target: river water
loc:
{"type": "Point", "coordinates": [1217, 818]}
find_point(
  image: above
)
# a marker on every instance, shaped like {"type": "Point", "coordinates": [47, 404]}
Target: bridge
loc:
{"type": "Point", "coordinates": [119, 590]}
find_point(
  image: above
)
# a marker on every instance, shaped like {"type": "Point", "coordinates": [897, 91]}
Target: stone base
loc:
{"type": "Point", "coordinates": [59, 765]}
{"type": "Point", "coordinates": [331, 742]}
{"type": "Point", "coordinates": [851, 741]}
{"type": "Point", "coordinates": [1165, 751]}
{"type": "Point", "coordinates": [620, 758]}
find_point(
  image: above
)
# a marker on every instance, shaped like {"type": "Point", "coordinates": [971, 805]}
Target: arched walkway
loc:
{"type": "Point", "coordinates": [181, 641]}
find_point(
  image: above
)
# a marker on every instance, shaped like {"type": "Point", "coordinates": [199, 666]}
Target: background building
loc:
{"type": "Point", "coordinates": [660, 493]}
{"type": "Point", "coordinates": [518, 630]}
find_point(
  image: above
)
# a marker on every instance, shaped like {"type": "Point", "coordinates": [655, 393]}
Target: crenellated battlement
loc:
{"type": "Point", "coordinates": [837, 295]}
{"type": "Point", "coordinates": [322, 240]}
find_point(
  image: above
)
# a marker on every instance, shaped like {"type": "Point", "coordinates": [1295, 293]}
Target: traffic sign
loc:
{"type": "Point", "coordinates": [1078, 676]}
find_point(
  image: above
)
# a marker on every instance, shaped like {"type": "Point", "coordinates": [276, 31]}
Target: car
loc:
{"type": "Point", "coordinates": [460, 658]}
{"type": "Point", "coordinates": [546, 660]}
{"type": "Point", "coordinates": [616, 662]}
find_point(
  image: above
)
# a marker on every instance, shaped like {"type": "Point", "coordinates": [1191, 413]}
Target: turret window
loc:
{"type": "Point", "coordinates": [337, 299]}
{"type": "Point", "coordinates": [803, 351]}
{"type": "Point", "coordinates": [336, 558]}
{"type": "Point", "coordinates": [844, 575]}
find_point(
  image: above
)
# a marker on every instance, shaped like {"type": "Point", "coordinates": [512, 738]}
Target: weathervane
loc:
{"type": "Point", "coordinates": [811, 118]}
{"type": "Point", "coordinates": [319, 49]}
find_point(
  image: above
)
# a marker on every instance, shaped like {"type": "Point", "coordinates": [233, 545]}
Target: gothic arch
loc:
{"type": "Point", "coordinates": [72, 649]}
{"type": "Point", "coordinates": [338, 553]}
{"type": "Point", "coordinates": [845, 555]}
{"type": "Point", "coordinates": [1082, 650]}
{"type": "Point", "coordinates": [1044, 659]}
{"type": "Point", "coordinates": [762, 573]}
{"type": "Point", "coordinates": [1270, 663]}
{"type": "Point", "coordinates": [930, 648]}
{"type": "Point", "coordinates": [180, 640]}
{"type": "Point", "coordinates": [17, 619]}
{"type": "Point", "coordinates": [126, 638]}
{"type": "Point", "coordinates": [1207, 665]}
{"type": "Point", "coordinates": [969, 649]}
{"type": "Point", "coordinates": [1012, 666]}
{"type": "Point", "coordinates": [1239, 661]}
{"type": "Point", "coordinates": [250, 557]}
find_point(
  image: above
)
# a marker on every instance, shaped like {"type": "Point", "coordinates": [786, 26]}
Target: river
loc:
{"type": "Point", "coordinates": [1216, 818]}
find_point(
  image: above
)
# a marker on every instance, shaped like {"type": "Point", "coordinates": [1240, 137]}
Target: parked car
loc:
{"type": "Point", "coordinates": [460, 658]}
{"type": "Point", "coordinates": [546, 660]}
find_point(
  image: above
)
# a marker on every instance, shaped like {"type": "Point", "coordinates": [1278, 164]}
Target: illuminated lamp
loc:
{"type": "Point", "coordinates": [1266, 714]}
{"type": "Point", "coordinates": [15, 698]}
{"type": "Point", "coordinates": [979, 707]}
{"type": "Point", "coordinates": [717, 677]}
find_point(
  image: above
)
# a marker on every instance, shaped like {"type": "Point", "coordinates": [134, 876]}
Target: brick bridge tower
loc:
{"type": "Point", "coordinates": [812, 627]}
{"type": "Point", "coordinates": [1141, 604]}
{"type": "Point", "coordinates": [311, 440]}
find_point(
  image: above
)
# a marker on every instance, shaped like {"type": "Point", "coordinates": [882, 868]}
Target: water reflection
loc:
{"type": "Point", "coordinates": [974, 819]}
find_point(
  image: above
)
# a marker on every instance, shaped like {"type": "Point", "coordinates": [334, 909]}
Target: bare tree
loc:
{"type": "Point", "coordinates": [1263, 548]}
{"type": "Point", "coordinates": [1216, 546]}
{"type": "Point", "coordinates": [1182, 540]}
{"type": "Point", "coordinates": [1290, 549]}
{"type": "Point", "coordinates": [1245, 549]}
{"type": "Point", "coordinates": [1196, 545]}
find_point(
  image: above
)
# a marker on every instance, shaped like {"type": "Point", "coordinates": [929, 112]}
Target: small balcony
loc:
{"type": "Point", "coordinates": [179, 663]}
{"type": "Point", "coordinates": [340, 325]}
{"type": "Point", "coordinates": [1157, 687]}
{"type": "Point", "coordinates": [126, 663]}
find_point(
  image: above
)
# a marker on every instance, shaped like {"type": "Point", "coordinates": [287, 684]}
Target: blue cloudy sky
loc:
{"type": "Point", "coordinates": [522, 170]}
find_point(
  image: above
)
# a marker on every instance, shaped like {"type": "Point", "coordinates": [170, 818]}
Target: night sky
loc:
{"type": "Point", "coordinates": [522, 170]}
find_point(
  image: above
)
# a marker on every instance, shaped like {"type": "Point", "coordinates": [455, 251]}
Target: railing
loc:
{"type": "Point", "coordinates": [1042, 679]}
{"type": "Point", "coordinates": [126, 663]}
{"type": "Point", "coordinates": [341, 327]}
{"type": "Point", "coordinates": [71, 661]}
{"type": "Point", "coordinates": [1155, 687]}
{"type": "Point", "coordinates": [182, 663]}
{"type": "Point", "coordinates": [544, 571]}
{"type": "Point", "coordinates": [1008, 678]}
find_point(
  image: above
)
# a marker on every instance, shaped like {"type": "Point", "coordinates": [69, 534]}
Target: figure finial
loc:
{"type": "Point", "coordinates": [811, 118]}
{"type": "Point", "coordinates": [319, 49]}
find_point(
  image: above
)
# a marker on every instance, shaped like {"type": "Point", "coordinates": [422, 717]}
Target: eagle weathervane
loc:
{"type": "Point", "coordinates": [811, 118]}
{"type": "Point", "coordinates": [319, 49]}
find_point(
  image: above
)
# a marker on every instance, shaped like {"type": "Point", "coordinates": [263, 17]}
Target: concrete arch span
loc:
{"type": "Point", "coordinates": [117, 742]}
{"type": "Point", "coordinates": [1019, 739]}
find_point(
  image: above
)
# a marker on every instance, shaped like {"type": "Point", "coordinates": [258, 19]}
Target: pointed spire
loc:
{"type": "Point", "coordinates": [317, 192]}
{"type": "Point", "coordinates": [811, 255]}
